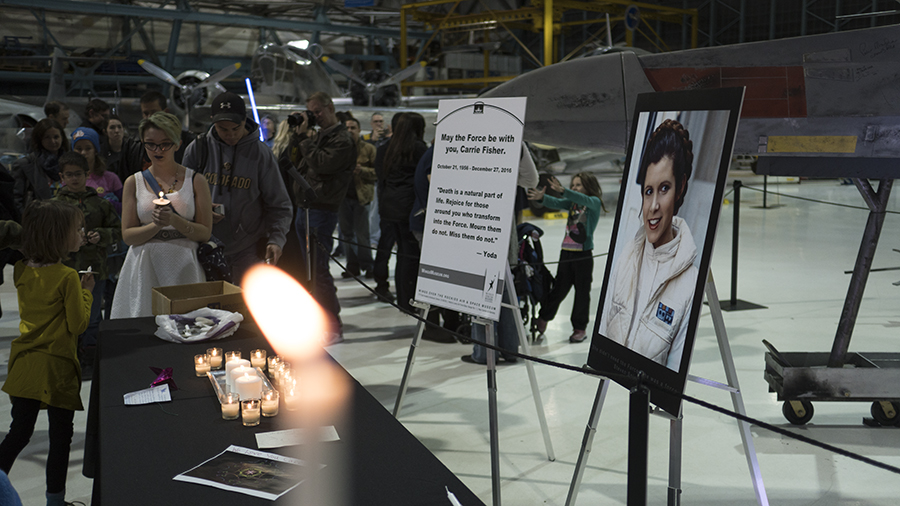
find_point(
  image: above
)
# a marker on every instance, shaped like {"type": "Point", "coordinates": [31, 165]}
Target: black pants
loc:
{"type": "Point", "coordinates": [407, 261]}
{"type": "Point", "coordinates": [24, 416]}
{"type": "Point", "coordinates": [386, 242]}
{"type": "Point", "coordinates": [576, 268]}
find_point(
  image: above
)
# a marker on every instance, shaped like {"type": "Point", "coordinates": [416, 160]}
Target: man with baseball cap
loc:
{"type": "Point", "coordinates": [251, 207]}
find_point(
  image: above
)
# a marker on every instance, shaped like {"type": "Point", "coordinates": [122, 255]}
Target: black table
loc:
{"type": "Point", "coordinates": [141, 448]}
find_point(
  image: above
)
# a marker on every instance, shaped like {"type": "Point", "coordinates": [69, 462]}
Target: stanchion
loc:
{"type": "Point", "coordinates": [766, 195]}
{"type": "Point", "coordinates": [735, 304]}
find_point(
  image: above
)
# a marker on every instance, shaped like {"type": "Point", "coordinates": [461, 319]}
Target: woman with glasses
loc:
{"type": "Point", "coordinates": [162, 229]}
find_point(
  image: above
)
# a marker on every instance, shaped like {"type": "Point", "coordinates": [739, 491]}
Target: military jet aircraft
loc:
{"type": "Point", "coordinates": [832, 94]}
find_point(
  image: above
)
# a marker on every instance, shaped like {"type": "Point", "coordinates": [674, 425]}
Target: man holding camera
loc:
{"type": "Point", "coordinates": [327, 159]}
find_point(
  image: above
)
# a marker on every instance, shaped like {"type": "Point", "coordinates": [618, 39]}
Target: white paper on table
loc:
{"type": "Point", "coordinates": [158, 393]}
{"type": "Point", "coordinates": [208, 473]}
{"type": "Point", "coordinates": [292, 437]}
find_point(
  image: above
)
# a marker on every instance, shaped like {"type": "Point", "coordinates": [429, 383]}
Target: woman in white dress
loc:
{"type": "Point", "coordinates": [163, 244]}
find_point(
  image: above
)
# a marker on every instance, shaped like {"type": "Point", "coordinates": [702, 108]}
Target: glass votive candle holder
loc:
{"type": "Point", "coordinates": [231, 406]}
{"type": "Point", "coordinates": [285, 373]}
{"type": "Point", "coordinates": [232, 355]}
{"type": "Point", "coordinates": [201, 364]}
{"type": "Point", "coordinates": [216, 358]}
{"type": "Point", "coordinates": [272, 360]}
{"type": "Point", "coordinates": [250, 412]}
{"type": "Point", "coordinates": [258, 358]}
{"type": "Point", "coordinates": [270, 403]}
{"type": "Point", "coordinates": [291, 400]}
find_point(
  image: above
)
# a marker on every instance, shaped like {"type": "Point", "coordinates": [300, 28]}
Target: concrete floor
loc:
{"type": "Point", "coordinates": [792, 259]}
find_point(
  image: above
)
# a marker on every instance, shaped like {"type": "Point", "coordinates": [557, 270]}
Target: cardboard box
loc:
{"type": "Point", "coordinates": [180, 299]}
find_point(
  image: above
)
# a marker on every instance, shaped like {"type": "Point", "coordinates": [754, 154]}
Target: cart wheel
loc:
{"type": "Point", "coordinates": [891, 416]}
{"type": "Point", "coordinates": [797, 412]}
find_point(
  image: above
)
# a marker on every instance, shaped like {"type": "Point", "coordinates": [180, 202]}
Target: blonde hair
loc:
{"type": "Point", "coordinates": [167, 122]}
{"type": "Point", "coordinates": [282, 138]}
{"type": "Point", "coordinates": [47, 229]}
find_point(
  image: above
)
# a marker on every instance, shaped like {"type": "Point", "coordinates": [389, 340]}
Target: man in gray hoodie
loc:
{"type": "Point", "coordinates": [251, 207]}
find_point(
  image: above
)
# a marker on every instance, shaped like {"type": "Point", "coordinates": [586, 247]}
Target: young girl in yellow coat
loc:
{"type": "Point", "coordinates": [54, 307]}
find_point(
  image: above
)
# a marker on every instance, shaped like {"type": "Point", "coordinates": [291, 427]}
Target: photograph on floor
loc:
{"type": "Point", "coordinates": [662, 240]}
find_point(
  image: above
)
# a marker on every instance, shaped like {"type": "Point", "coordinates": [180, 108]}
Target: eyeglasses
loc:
{"type": "Point", "coordinates": [165, 146]}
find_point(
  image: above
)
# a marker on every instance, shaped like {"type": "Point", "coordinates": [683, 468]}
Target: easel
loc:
{"type": "Point", "coordinates": [675, 430]}
{"type": "Point", "coordinates": [510, 288]}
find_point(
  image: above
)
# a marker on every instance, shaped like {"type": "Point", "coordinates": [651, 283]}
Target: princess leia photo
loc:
{"type": "Point", "coordinates": [652, 283]}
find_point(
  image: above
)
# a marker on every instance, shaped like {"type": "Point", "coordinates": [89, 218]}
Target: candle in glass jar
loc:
{"type": "Point", "coordinates": [215, 358]}
{"type": "Point", "coordinates": [270, 403]}
{"type": "Point", "coordinates": [291, 400]}
{"type": "Point", "coordinates": [201, 364]}
{"type": "Point", "coordinates": [231, 406]}
{"type": "Point", "coordinates": [162, 200]}
{"type": "Point", "coordinates": [230, 366]}
{"type": "Point", "coordinates": [258, 358]}
{"type": "Point", "coordinates": [232, 355]}
{"type": "Point", "coordinates": [250, 412]}
{"type": "Point", "coordinates": [272, 360]}
{"type": "Point", "coordinates": [248, 385]}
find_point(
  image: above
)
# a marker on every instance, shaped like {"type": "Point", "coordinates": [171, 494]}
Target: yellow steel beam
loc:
{"type": "Point", "coordinates": [548, 33]}
{"type": "Point", "coordinates": [612, 20]}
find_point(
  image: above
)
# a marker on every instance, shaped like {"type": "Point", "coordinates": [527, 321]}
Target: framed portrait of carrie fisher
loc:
{"type": "Point", "coordinates": [672, 187]}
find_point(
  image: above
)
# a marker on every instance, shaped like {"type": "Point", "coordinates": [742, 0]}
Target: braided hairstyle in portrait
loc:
{"type": "Point", "coordinates": [670, 140]}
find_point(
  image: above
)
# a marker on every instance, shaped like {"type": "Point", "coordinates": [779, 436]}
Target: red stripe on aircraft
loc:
{"type": "Point", "coordinates": [772, 92]}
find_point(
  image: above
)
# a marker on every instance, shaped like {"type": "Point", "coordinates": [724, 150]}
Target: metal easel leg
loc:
{"type": "Point", "coordinates": [737, 399]}
{"type": "Point", "coordinates": [532, 378]}
{"type": "Point", "coordinates": [411, 358]}
{"type": "Point", "coordinates": [492, 409]}
{"type": "Point", "coordinates": [586, 442]}
{"type": "Point", "coordinates": [674, 495]}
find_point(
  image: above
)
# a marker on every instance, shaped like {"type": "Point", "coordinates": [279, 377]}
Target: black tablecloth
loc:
{"type": "Point", "coordinates": [141, 448]}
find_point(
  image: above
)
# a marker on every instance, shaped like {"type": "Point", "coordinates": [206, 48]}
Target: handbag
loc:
{"type": "Point", "coordinates": [211, 253]}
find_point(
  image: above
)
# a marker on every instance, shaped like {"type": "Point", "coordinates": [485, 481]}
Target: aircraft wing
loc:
{"type": "Point", "coordinates": [833, 94]}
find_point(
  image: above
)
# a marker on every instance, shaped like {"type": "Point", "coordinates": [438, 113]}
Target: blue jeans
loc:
{"type": "Point", "coordinates": [241, 262]}
{"type": "Point", "coordinates": [354, 219]}
{"type": "Point", "coordinates": [504, 330]}
{"type": "Point", "coordinates": [322, 224]}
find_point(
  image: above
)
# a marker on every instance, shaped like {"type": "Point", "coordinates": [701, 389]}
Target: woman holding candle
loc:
{"type": "Point", "coordinates": [163, 244]}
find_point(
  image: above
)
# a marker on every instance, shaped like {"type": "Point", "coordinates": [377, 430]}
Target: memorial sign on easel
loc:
{"type": "Point", "coordinates": [672, 188]}
{"type": "Point", "coordinates": [470, 204]}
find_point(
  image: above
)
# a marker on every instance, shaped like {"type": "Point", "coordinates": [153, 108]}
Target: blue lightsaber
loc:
{"type": "Point", "coordinates": [253, 106]}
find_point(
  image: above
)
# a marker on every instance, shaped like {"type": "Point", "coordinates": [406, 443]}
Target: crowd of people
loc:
{"type": "Point", "coordinates": [131, 212]}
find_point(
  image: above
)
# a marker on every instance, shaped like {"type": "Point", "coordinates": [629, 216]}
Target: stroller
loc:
{"type": "Point", "coordinates": [532, 279]}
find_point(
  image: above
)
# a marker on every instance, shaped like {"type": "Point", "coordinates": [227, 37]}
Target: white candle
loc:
{"type": "Point", "coordinates": [270, 403]}
{"type": "Point", "coordinates": [291, 400]}
{"type": "Point", "coordinates": [248, 386]}
{"type": "Point", "coordinates": [231, 406]}
{"type": "Point", "coordinates": [215, 357]}
{"type": "Point", "coordinates": [232, 355]}
{"type": "Point", "coordinates": [232, 365]}
{"type": "Point", "coordinates": [258, 358]}
{"type": "Point", "coordinates": [201, 364]}
{"type": "Point", "coordinates": [162, 201]}
{"type": "Point", "coordinates": [250, 412]}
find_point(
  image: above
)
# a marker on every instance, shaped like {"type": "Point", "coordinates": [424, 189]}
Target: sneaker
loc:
{"type": "Point", "coordinates": [348, 274]}
{"type": "Point", "coordinates": [541, 326]}
{"type": "Point", "coordinates": [577, 336]}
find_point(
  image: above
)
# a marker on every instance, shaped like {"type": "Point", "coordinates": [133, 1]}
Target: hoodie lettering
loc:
{"type": "Point", "coordinates": [243, 183]}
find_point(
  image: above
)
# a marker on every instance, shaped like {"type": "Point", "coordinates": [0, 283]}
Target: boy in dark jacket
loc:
{"type": "Point", "coordinates": [102, 227]}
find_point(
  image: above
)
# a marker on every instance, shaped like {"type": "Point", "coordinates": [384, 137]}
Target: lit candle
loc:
{"type": "Point", "coordinates": [162, 200]}
{"type": "Point", "coordinates": [249, 385]}
{"type": "Point", "coordinates": [250, 412]}
{"type": "Point", "coordinates": [215, 358]}
{"type": "Point", "coordinates": [270, 403]}
{"type": "Point", "coordinates": [201, 364]}
{"type": "Point", "coordinates": [231, 406]}
{"type": "Point", "coordinates": [232, 355]}
{"type": "Point", "coordinates": [291, 400]}
{"type": "Point", "coordinates": [285, 375]}
{"type": "Point", "coordinates": [231, 366]}
{"type": "Point", "coordinates": [258, 358]}
{"type": "Point", "coordinates": [273, 359]}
